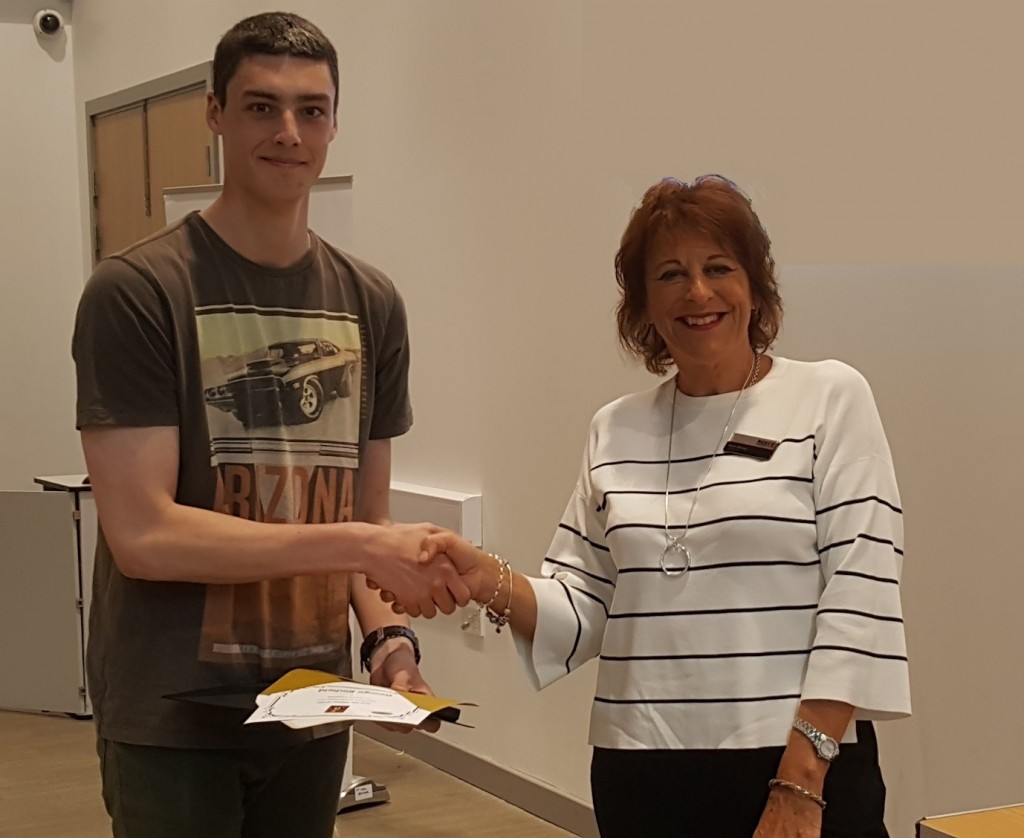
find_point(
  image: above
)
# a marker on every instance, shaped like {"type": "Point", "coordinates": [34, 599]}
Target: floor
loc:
{"type": "Point", "coordinates": [49, 787]}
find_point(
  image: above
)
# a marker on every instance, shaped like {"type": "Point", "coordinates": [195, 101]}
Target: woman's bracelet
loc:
{"type": "Point", "coordinates": [498, 620]}
{"type": "Point", "coordinates": [502, 564]}
{"type": "Point", "coordinates": [793, 787]}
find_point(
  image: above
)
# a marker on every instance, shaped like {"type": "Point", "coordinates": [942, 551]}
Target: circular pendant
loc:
{"type": "Point", "coordinates": [675, 558]}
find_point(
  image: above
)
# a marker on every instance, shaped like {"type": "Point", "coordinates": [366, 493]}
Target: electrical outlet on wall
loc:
{"type": "Point", "coordinates": [473, 620]}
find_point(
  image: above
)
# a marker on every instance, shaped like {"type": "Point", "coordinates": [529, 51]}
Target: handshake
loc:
{"type": "Point", "coordinates": [422, 569]}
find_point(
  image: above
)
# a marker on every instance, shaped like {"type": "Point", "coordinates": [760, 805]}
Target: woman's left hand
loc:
{"type": "Point", "coordinates": [787, 815]}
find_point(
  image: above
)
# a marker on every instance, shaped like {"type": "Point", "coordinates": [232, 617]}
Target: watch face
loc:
{"type": "Point", "coordinates": [829, 749]}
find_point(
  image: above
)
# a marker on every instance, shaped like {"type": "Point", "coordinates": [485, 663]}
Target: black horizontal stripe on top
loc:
{"type": "Point", "coordinates": [707, 656]}
{"type": "Point", "coordinates": [869, 576]}
{"type": "Point", "coordinates": [722, 565]}
{"type": "Point", "coordinates": [860, 535]}
{"type": "Point", "coordinates": [788, 478]}
{"type": "Point", "coordinates": [580, 571]}
{"type": "Point", "coordinates": [853, 651]}
{"type": "Point", "coordinates": [588, 595]}
{"type": "Point", "coordinates": [578, 534]}
{"type": "Point", "coordinates": [744, 700]}
{"type": "Point", "coordinates": [697, 612]}
{"type": "Point", "coordinates": [867, 499]}
{"type": "Point", "coordinates": [779, 519]}
{"type": "Point", "coordinates": [697, 459]}
{"type": "Point", "coordinates": [866, 614]}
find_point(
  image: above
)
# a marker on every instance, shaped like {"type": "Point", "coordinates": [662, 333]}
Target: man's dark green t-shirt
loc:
{"type": "Point", "coordinates": [275, 379]}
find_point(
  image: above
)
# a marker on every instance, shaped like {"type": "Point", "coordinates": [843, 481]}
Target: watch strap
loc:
{"type": "Point", "coordinates": [826, 747]}
{"type": "Point", "coordinates": [378, 636]}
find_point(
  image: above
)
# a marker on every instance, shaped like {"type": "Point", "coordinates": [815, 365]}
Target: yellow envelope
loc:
{"type": "Point", "coordinates": [299, 678]}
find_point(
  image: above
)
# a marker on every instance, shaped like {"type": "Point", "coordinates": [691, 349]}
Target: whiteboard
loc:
{"type": "Point", "coordinates": [940, 347]}
{"type": "Point", "coordinates": [330, 206]}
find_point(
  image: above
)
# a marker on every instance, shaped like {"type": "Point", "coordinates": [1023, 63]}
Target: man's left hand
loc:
{"type": "Point", "coordinates": [394, 666]}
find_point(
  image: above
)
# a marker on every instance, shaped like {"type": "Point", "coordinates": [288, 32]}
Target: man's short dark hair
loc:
{"type": "Point", "coordinates": [271, 33]}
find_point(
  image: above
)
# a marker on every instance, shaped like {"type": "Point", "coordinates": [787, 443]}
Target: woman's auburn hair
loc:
{"type": "Point", "coordinates": [716, 207]}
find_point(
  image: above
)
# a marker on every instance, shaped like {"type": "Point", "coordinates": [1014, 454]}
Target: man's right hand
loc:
{"type": "Point", "coordinates": [421, 589]}
{"type": "Point", "coordinates": [479, 570]}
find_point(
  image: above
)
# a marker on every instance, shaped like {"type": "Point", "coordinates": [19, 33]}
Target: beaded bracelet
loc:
{"type": "Point", "coordinates": [500, 620]}
{"type": "Point", "coordinates": [502, 564]}
{"type": "Point", "coordinates": [793, 787]}
{"type": "Point", "coordinates": [496, 619]}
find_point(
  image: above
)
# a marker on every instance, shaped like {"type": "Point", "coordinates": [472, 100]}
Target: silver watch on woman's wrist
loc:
{"type": "Point", "coordinates": [826, 746]}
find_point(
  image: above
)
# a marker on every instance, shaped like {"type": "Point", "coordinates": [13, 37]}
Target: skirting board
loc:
{"type": "Point", "coordinates": [542, 801]}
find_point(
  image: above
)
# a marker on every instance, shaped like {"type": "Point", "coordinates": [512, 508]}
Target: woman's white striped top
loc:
{"type": "Point", "coordinates": [794, 589]}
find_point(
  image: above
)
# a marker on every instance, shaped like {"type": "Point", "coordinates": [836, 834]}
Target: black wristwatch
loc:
{"type": "Point", "coordinates": [378, 636]}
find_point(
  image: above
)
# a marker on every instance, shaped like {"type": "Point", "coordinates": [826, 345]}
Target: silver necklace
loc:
{"type": "Point", "coordinates": [675, 558]}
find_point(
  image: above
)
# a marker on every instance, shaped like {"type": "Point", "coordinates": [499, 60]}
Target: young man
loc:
{"type": "Point", "coordinates": [239, 381]}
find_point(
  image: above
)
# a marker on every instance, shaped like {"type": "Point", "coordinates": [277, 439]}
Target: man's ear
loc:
{"type": "Point", "coordinates": [213, 112]}
{"type": "Point", "coordinates": [334, 131]}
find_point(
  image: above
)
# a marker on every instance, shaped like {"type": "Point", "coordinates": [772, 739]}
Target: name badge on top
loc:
{"type": "Point", "coordinates": [751, 446]}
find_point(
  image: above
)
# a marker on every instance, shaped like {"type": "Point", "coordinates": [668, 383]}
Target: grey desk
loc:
{"type": "Point", "coordinates": [47, 544]}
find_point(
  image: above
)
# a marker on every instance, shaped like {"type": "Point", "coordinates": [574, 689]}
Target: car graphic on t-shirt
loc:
{"type": "Point", "coordinates": [289, 385]}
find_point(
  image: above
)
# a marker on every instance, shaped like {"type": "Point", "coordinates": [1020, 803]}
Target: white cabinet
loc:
{"type": "Point", "coordinates": [47, 545]}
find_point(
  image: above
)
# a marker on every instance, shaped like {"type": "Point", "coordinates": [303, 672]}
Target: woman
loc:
{"type": "Point", "coordinates": [731, 554]}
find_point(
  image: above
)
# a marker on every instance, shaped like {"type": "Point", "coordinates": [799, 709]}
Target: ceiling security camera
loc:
{"type": "Point", "coordinates": [48, 22]}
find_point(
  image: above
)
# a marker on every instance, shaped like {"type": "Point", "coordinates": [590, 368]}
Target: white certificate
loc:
{"type": "Point", "coordinates": [337, 702]}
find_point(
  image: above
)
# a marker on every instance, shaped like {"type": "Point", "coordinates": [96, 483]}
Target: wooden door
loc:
{"type": "Point", "coordinates": [180, 146]}
{"type": "Point", "coordinates": [139, 151]}
{"type": "Point", "coordinates": [119, 180]}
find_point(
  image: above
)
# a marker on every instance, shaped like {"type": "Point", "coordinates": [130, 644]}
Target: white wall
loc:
{"type": "Point", "coordinates": [40, 270]}
{"type": "Point", "coordinates": [497, 148]}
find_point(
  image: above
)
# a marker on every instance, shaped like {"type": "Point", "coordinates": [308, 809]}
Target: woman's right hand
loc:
{"type": "Point", "coordinates": [508, 593]}
{"type": "Point", "coordinates": [479, 570]}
